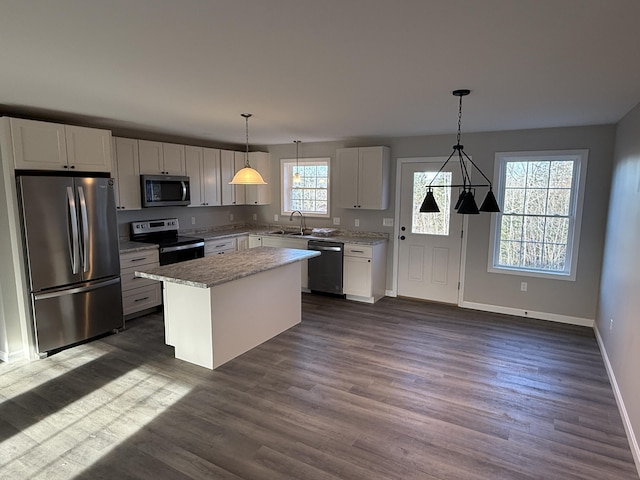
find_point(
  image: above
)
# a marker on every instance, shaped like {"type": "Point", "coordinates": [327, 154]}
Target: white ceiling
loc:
{"type": "Point", "coordinates": [318, 70]}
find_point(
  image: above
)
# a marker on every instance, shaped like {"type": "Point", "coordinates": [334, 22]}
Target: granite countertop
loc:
{"type": "Point", "coordinates": [129, 246]}
{"type": "Point", "coordinates": [218, 269]}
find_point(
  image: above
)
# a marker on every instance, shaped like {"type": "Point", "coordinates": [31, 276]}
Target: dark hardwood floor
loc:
{"type": "Point", "coordinates": [399, 390]}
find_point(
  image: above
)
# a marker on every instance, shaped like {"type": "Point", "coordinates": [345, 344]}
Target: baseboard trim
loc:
{"type": "Point", "coordinates": [12, 357]}
{"type": "Point", "coordinates": [519, 312]}
{"type": "Point", "coordinates": [390, 293]}
{"type": "Point", "coordinates": [626, 421]}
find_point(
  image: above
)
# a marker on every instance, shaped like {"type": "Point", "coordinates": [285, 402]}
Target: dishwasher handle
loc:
{"type": "Point", "coordinates": [325, 249]}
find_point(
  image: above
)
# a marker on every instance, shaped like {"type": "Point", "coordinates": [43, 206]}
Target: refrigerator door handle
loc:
{"type": "Point", "coordinates": [84, 227]}
{"type": "Point", "coordinates": [73, 220]}
{"type": "Point", "coordinates": [83, 289]}
{"type": "Point", "coordinates": [184, 191]}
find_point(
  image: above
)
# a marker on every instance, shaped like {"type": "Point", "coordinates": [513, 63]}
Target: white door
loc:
{"type": "Point", "coordinates": [429, 246]}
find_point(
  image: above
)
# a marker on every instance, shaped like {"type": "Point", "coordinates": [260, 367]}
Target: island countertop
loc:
{"type": "Point", "coordinates": [218, 269]}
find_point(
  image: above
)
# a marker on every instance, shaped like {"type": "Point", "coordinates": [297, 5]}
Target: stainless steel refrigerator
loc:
{"type": "Point", "coordinates": [71, 249]}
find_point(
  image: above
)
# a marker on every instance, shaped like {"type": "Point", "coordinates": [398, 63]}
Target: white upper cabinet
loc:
{"type": "Point", "coordinates": [230, 163]}
{"type": "Point", "coordinates": [127, 173]}
{"type": "Point", "coordinates": [203, 170]}
{"type": "Point", "coordinates": [53, 146]}
{"type": "Point", "coordinates": [363, 177]}
{"type": "Point", "coordinates": [158, 158]}
{"type": "Point", "coordinates": [259, 194]}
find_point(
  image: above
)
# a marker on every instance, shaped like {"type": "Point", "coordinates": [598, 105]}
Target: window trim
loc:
{"type": "Point", "coordinates": [575, 216]}
{"type": "Point", "coordinates": [283, 189]}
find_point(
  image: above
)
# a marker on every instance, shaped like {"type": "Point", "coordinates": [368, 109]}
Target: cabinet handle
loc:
{"type": "Point", "coordinates": [369, 260]}
{"type": "Point", "coordinates": [123, 207]}
{"type": "Point", "coordinates": [138, 259]}
{"type": "Point", "coordinates": [65, 166]}
{"type": "Point", "coordinates": [72, 166]}
{"type": "Point", "coordinates": [357, 251]}
{"type": "Point", "coordinates": [141, 299]}
{"type": "Point", "coordinates": [402, 237]}
{"type": "Point", "coordinates": [355, 206]}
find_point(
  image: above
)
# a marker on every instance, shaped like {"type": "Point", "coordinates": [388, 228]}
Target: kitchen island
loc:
{"type": "Point", "coordinates": [219, 307]}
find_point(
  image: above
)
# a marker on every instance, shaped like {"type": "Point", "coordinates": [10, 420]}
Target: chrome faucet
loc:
{"type": "Point", "coordinates": [301, 220]}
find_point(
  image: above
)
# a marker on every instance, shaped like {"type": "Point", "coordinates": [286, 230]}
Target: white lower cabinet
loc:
{"type": "Point", "coordinates": [219, 246]}
{"type": "Point", "coordinates": [300, 244]}
{"type": "Point", "coordinates": [242, 242]}
{"type": "Point", "coordinates": [139, 294]}
{"type": "Point", "coordinates": [364, 272]}
{"type": "Point", "coordinates": [255, 241]}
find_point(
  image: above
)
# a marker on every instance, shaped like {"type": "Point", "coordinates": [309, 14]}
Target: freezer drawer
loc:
{"type": "Point", "coordinates": [63, 317]}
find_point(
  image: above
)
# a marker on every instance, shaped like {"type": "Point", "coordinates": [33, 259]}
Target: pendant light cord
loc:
{"type": "Point", "coordinates": [459, 119]}
{"type": "Point", "coordinates": [246, 153]}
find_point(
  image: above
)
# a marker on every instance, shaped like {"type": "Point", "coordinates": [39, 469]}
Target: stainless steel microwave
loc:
{"type": "Point", "coordinates": [164, 190]}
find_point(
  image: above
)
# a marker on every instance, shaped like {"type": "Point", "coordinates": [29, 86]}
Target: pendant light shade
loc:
{"type": "Point", "coordinates": [466, 204]}
{"type": "Point", "coordinates": [429, 205]}
{"type": "Point", "coordinates": [247, 175]}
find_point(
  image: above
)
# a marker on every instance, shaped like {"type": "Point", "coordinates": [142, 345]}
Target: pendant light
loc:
{"type": "Point", "coordinates": [296, 176]}
{"type": "Point", "coordinates": [466, 204]}
{"type": "Point", "coordinates": [247, 175]}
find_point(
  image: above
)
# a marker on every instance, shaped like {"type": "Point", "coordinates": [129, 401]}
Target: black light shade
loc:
{"type": "Point", "coordinates": [489, 204]}
{"type": "Point", "coordinates": [460, 198]}
{"type": "Point", "coordinates": [468, 205]}
{"type": "Point", "coordinates": [429, 205]}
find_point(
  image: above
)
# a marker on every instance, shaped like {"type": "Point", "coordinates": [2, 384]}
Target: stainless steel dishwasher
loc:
{"type": "Point", "coordinates": [325, 271]}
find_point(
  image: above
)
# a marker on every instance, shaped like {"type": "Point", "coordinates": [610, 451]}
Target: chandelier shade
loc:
{"type": "Point", "coordinates": [247, 175]}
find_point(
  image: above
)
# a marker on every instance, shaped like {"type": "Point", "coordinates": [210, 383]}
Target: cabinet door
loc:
{"type": "Point", "coordinates": [373, 173]}
{"type": "Point", "coordinates": [194, 162]}
{"type": "Point", "coordinates": [347, 163]}
{"type": "Point", "coordinates": [242, 243]}
{"type": "Point", "coordinates": [255, 241]}
{"type": "Point", "coordinates": [38, 145]}
{"type": "Point", "coordinates": [174, 159]}
{"type": "Point", "coordinates": [227, 170]}
{"type": "Point", "coordinates": [211, 176]}
{"type": "Point", "coordinates": [150, 157]}
{"type": "Point", "coordinates": [88, 149]}
{"type": "Point", "coordinates": [259, 194]}
{"type": "Point", "coordinates": [128, 173]}
{"type": "Point", "coordinates": [357, 276]}
{"type": "Point", "coordinates": [241, 190]}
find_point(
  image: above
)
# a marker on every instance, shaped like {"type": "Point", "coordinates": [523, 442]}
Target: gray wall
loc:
{"type": "Point", "coordinates": [619, 299]}
{"type": "Point", "coordinates": [556, 297]}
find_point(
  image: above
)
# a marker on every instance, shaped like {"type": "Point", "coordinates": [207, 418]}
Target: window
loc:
{"type": "Point", "coordinates": [431, 223]}
{"type": "Point", "coordinates": [540, 194]}
{"type": "Point", "coordinates": [310, 195]}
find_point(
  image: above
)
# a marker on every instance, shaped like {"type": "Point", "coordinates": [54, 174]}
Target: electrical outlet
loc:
{"type": "Point", "coordinates": [357, 222]}
{"type": "Point", "coordinates": [231, 217]}
{"type": "Point", "coordinates": [193, 220]}
{"type": "Point", "coordinates": [336, 220]}
{"type": "Point", "coordinates": [275, 217]}
{"type": "Point", "coordinates": [255, 217]}
{"type": "Point", "coordinates": [610, 324]}
{"type": "Point", "coordinates": [523, 286]}
{"type": "Point", "coordinates": [387, 222]}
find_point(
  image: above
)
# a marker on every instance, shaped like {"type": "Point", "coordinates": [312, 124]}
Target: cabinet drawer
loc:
{"type": "Point", "coordinates": [129, 280]}
{"type": "Point", "coordinates": [141, 298]}
{"type": "Point", "coordinates": [363, 251]}
{"type": "Point", "coordinates": [214, 247]}
{"type": "Point", "coordinates": [143, 257]}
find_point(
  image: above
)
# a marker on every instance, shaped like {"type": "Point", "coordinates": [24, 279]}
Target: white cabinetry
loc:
{"type": "Point", "coordinates": [287, 242]}
{"type": "Point", "coordinates": [364, 272]}
{"type": "Point", "coordinates": [255, 241]}
{"type": "Point", "coordinates": [126, 171]}
{"type": "Point", "coordinates": [259, 194]}
{"type": "Point", "coordinates": [219, 246]}
{"type": "Point", "coordinates": [203, 170]}
{"type": "Point", "coordinates": [242, 242]}
{"type": "Point", "coordinates": [161, 158]}
{"type": "Point", "coordinates": [53, 146]}
{"type": "Point", "coordinates": [230, 163]}
{"type": "Point", "coordinates": [139, 294]}
{"type": "Point", "coordinates": [363, 177]}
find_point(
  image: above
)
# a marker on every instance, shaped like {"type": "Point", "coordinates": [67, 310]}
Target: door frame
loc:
{"type": "Point", "coordinates": [396, 229]}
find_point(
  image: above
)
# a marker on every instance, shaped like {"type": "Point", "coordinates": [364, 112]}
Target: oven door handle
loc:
{"type": "Point", "coordinates": [325, 249]}
{"type": "Point", "coordinates": [181, 247]}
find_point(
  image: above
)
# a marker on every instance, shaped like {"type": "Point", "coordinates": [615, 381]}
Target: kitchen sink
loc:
{"type": "Point", "coordinates": [282, 232]}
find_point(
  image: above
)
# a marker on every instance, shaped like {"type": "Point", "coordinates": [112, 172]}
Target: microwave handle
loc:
{"type": "Point", "coordinates": [184, 191]}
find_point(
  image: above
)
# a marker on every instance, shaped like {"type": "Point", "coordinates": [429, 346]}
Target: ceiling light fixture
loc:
{"type": "Point", "coordinates": [296, 175]}
{"type": "Point", "coordinates": [466, 203]}
{"type": "Point", "coordinates": [247, 175]}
